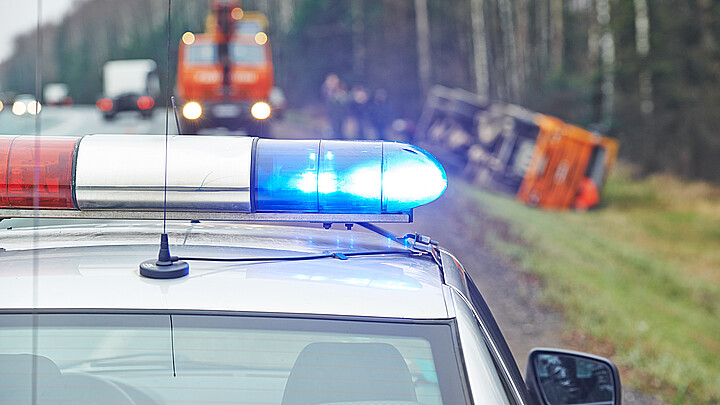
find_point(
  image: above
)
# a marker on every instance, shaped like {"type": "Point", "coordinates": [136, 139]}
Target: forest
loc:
{"type": "Point", "coordinates": [644, 72]}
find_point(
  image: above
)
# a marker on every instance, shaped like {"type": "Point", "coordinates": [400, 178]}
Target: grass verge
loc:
{"type": "Point", "coordinates": [637, 280]}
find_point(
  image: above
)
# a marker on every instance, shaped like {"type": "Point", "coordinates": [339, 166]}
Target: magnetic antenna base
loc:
{"type": "Point", "coordinates": [150, 269]}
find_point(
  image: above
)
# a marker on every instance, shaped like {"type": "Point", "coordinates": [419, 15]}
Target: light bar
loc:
{"type": "Point", "coordinates": [216, 177]}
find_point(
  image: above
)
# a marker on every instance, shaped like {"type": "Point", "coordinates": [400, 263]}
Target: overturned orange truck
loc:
{"type": "Point", "coordinates": [225, 75]}
{"type": "Point", "coordinates": [541, 160]}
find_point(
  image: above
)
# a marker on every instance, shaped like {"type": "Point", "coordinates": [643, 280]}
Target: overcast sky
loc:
{"type": "Point", "coordinates": [19, 16]}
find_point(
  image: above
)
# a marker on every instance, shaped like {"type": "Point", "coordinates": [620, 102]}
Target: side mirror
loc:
{"type": "Point", "coordinates": [564, 377]}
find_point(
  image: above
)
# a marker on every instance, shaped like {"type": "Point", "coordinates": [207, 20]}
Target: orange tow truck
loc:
{"type": "Point", "coordinates": [541, 160]}
{"type": "Point", "coordinates": [225, 76]}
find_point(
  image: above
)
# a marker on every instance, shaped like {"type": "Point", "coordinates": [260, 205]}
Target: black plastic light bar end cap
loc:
{"type": "Point", "coordinates": [151, 269]}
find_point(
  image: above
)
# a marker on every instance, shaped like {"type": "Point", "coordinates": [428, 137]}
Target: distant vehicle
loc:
{"type": "Point", "coordinates": [57, 94]}
{"type": "Point", "coordinates": [129, 85]}
{"type": "Point", "coordinates": [540, 159]}
{"type": "Point", "coordinates": [26, 104]}
{"type": "Point", "coordinates": [6, 101]}
{"type": "Point", "coordinates": [225, 76]}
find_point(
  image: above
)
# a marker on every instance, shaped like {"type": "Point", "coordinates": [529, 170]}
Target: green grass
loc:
{"type": "Point", "coordinates": [637, 280]}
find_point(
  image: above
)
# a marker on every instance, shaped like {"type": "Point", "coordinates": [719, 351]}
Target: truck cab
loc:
{"type": "Point", "coordinates": [225, 81]}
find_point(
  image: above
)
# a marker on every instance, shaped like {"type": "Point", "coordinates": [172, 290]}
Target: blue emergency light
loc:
{"type": "Point", "coordinates": [344, 177]}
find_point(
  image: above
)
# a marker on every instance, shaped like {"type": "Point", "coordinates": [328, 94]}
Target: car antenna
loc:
{"type": "Point", "coordinates": [165, 267]}
{"type": "Point", "coordinates": [177, 121]}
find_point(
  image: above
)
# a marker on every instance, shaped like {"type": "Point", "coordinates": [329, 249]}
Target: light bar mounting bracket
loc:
{"type": "Point", "coordinates": [209, 216]}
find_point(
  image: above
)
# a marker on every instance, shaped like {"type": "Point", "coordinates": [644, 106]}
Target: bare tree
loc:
{"type": "Point", "coordinates": [523, 40]}
{"type": "Point", "coordinates": [542, 24]}
{"type": "Point", "coordinates": [705, 19]}
{"type": "Point", "coordinates": [557, 37]}
{"type": "Point", "coordinates": [642, 47]}
{"type": "Point", "coordinates": [358, 39]}
{"type": "Point", "coordinates": [422, 26]}
{"type": "Point", "coordinates": [607, 59]}
{"type": "Point", "coordinates": [287, 12]}
{"type": "Point", "coordinates": [593, 40]}
{"type": "Point", "coordinates": [480, 62]}
{"type": "Point", "coordinates": [509, 48]}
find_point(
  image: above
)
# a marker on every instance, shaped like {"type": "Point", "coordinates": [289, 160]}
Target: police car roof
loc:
{"type": "Point", "coordinates": [96, 267]}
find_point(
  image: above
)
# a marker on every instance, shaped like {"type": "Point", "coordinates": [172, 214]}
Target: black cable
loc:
{"type": "Point", "coordinates": [295, 258]}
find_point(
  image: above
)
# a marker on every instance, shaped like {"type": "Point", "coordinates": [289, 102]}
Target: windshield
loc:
{"type": "Point", "coordinates": [248, 27]}
{"type": "Point", "coordinates": [201, 54]}
{"type": "Point", "coordinates": [249, 54]}
{"type": "Point", "coordinates": [169, 359]}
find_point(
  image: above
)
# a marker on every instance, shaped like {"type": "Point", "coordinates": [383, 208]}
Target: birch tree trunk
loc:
{"type": "Point", "coordinates": [642, 47]}
{"type": "Point", "coordinates": [593, 45]}
{"type": "Point", "coordinates": [523, 41]}
{"type": "Point", "coordinates": [542, 23]}
{"type": "Point", "coordinates": [557, 37]}
{"type": "Point", "coordinates": [287, 12]}
{"type": "Point", "coordinates": [480, 62]}
{"type": "Point", "coordinates": [422, 27]}
{"type": "Point", "coordinates": [607, 59]}
{"type": "Point", "coordinates": [264, 7]}
{"type": "Point", "coordinates": [358, 39]}
{"type": "Point", "coordinates": [705, 19]}
{"type": "Point", "coordinates": [509, 48]}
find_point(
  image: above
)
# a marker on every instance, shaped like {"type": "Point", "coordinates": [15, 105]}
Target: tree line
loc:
{"type": "Point", "coordinates": [644, 72]}
{"type": "Point", "coordinates": [74, 50]}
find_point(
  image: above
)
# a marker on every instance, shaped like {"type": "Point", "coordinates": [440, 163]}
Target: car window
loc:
{"type": "Point", "coordinates": [163, 359]}
{"type": "Point", "coordinates": [485, 382]}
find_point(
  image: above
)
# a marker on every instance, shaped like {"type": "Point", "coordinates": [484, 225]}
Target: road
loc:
{"type": "Point", "coordinates": [455, 220]}
{"type": "Point", "coordinates": [82, 120]}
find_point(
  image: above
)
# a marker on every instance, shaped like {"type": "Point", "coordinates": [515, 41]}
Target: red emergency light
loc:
{"type": "Point", "coordinates": [37, 172]}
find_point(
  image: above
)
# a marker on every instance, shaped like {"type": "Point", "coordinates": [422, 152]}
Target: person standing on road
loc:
{"type": "Point", "coordinates": [334, 94]}
{"type": "Point", "coordinates": [379, 113]}
{"type": "Point", "coordinates": [359, 105]}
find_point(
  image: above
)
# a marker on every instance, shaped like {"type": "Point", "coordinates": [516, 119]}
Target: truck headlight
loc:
{"type": "Point", "coordinates": [192, 110]}
{"type": "Point", "coordinates": [261, 110]}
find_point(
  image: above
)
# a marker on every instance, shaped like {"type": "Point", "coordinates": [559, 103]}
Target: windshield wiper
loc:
{"type": "Point", "coordinates": [126, 359]}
